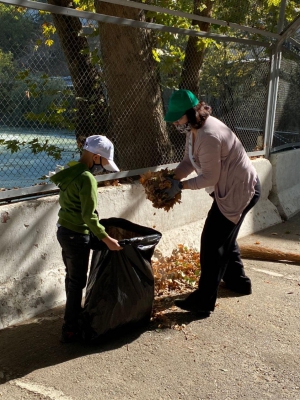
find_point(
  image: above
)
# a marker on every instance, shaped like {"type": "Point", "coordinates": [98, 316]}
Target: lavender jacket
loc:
{"type": "Point", "coordinates": [225, 165]}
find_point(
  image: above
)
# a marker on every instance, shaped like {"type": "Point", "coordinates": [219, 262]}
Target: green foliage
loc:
{"type": "Point", "coordinates": [16, 29]}
{"type": "Point", "coordinates": [225, 66]}
{"type": "Point", "coordinates": [262, 15]}
{"type": "Point", "coordinates": [45, 101]}
{"type": "Point", "coordinates": [170, 48]}
{"type": "Point", "coordinates": [170, 51]}
{"type": "Point", "coordinates": [6, 78]}
{"type": "Point", "coordinates": [84, 5]}
{"type": "Point", "coordinates": [6, 64]}
{"type": "Point", "coordinates": [34, 145]}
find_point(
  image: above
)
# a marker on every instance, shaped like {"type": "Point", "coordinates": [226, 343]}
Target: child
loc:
{"type": "Point", "coordinates": [78, 217]}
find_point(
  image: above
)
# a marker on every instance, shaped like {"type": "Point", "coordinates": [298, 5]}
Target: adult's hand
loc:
{"type": "Point", "coordinates": [171, 192]}
{"type": "Point", "coordinates": [112, 243]}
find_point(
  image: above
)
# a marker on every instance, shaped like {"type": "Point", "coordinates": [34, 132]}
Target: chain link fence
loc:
{"type": "Point", "coordinates": [63, 78]}
{"type": "Point", "coordinates": [287, 121]}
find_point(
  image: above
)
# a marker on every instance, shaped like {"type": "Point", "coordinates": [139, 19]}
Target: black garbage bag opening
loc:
{"type": "Point", "coordinates": [120, 288]}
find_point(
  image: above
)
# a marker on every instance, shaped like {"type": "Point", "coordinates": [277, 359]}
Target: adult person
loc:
{"type": "Point", "coordinates": [78, 217]}
{"type": "Point", "coordinates": [222, 165]}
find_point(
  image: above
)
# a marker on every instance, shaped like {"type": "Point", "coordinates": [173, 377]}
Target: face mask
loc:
{"type": "Point", "coordinates": [184, 128]}
{"type": "Point", "coordinates": [97, 169]}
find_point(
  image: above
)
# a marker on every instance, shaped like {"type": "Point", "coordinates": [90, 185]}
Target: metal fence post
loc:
{"type": "Point", "coordinates": [273, 85]}
{"type": "Point", "coordinates": [272, 99]}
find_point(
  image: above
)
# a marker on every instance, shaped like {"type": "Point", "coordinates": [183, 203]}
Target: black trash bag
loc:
{"type": "Point", "coordinates": [120, 288]}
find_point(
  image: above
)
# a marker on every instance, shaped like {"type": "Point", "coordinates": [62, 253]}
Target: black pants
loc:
{"type": "Point", "coordinates": [220, 255]}
{"type": "Point", "coordinates": [75, 253]}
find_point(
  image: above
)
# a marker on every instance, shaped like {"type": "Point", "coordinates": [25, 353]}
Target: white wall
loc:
{"type": "Point", "coordinates": [286, 182]}
{"type": "Point", "coordinates": [32, 271]}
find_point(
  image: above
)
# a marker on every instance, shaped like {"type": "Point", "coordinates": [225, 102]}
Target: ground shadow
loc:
{"type": "Point", "coordinates": [163, 303]}
{"type": "Point", "coordinates": [35, 344]}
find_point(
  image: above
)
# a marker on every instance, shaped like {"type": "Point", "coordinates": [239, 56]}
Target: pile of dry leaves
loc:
{"type": "Point", "coordinates": [174, 276]}
{"type": "Point", "coordinates": [154, 184]}
{"type": "Point", "coordinates": [176, 273]}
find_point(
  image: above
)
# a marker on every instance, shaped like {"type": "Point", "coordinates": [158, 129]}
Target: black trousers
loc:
{"type": "Point", "coordinates": [220, 254]}
{"type": "Point", "coordinates": [75, 253]}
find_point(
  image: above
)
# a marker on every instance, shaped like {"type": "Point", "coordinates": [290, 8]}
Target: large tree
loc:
{"type": "Point", "coordinates": [185, 58]}
{"type": "Point", "coordinates": [92, 113]}
{"type": "Point", "coordinates": [133, 86]}
{"type": "Point", "coordinates": [121, 96]}
{"type": "Point", "coordinates": [195, 49]}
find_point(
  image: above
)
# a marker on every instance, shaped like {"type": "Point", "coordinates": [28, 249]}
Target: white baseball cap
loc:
{"type": "Point", "coordinates": [101, 145]}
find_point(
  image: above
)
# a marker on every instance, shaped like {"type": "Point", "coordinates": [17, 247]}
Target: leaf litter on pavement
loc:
{"type": "Point", "coordinates": [174, 276]}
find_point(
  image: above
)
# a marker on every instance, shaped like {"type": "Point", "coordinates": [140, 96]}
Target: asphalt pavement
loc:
{"type": "Point", "coordinates": [249, 348]}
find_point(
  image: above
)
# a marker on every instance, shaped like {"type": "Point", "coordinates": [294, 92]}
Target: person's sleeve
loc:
{"type": "Point", "coordinates": [209, 157]}
{"type": "Point", "coordinates": [89, 201]}
{"type": "Point", "coordinates": [185, 167]}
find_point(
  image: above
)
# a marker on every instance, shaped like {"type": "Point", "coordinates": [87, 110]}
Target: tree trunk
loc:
{"type": "Point", "coordinates": [134, 94]}
{"type": "Point", "coordinates": [92, 114]}
{"type": "Point", "coordinates": [193, 55]}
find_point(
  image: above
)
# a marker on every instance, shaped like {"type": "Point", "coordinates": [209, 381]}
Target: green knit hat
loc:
{"type": "Point", "coordinates": [180, 101]}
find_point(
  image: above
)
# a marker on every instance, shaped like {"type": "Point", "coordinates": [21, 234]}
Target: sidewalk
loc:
{"type": "Point", "coordinates": [284, 237]}
{"type": "Point", "coordinates": [248, 349]}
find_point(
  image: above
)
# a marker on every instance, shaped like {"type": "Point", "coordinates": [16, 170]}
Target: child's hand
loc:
{"type": "Point", "coordinates": [112, 243]}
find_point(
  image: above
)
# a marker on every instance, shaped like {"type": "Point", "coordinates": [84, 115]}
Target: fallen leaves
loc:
{"type": "Point", "coordinates": [114, 182]}
{"type": "Point", "coordinates": [154, 184]}
{"type": "Point", "coordinates": [173, 275]}
{"type": "Point", "coordinates": [178, 272]}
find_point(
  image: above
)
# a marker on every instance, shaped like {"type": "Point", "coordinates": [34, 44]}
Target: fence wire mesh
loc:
{"type": "Point", "coordinates": [287, 121]}
{"type": "Point", "coordinates": [64, 78]}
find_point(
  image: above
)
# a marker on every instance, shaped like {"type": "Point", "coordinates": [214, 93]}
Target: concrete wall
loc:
{"type": "Point", "coordinates": [285, 192]}
{"type": "Point", "coordinates": [32, 272]}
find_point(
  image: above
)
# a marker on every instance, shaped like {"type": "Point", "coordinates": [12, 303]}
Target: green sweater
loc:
{"type": "Point", "coordinates": [78, 200]}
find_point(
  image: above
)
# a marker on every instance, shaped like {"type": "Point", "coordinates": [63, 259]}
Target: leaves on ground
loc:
{"type": "Point", "coordinates": [174, 275]}
{"type": "Point", "coordinates": [178, 272]}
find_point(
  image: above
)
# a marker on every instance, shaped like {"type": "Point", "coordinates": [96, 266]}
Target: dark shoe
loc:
{"type": "Point", "coordinates": [69, 335]}
{"type": "Point", "coordinates": [244, 288]}
{"type": "Point", "coordinates": [188, 305]}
